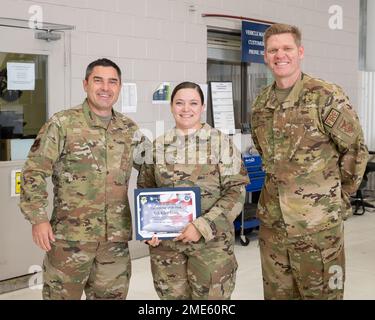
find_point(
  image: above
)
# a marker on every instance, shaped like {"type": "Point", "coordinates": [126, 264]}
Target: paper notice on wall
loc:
{"type": "Point", "coordinates": [21, 76]}
{"type": "Point", "coordinates": [129, 98]}
{"type": "Point", "coordinates": [222, 106]}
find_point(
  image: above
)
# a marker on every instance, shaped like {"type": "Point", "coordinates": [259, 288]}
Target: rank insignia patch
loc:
{"type": "Point", "coordinates": [332, 118]}
{"type": "Point", "coordinates": [346, 127]}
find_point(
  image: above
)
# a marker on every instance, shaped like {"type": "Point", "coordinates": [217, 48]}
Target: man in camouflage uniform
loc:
{"type": "Point", "coordinates": [88, 151]}
{"type": "Point", "coordinates": [314, 155]}
{"type": "Point", "coordinates": [203, 268]}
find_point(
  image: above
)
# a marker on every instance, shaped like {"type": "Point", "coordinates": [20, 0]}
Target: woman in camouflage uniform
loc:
{"type": "Point", "coordinates": [200, 262]}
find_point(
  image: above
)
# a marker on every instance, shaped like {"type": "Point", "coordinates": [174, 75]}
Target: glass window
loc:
{"type": "Point", "coordinates": [224, 64]}
{"type": "Point", "coordinates": [258, 77]}
{"type": "Point", "coordinates": [22, 112]}
{"type": "Point", "coordinates": [222, 71]}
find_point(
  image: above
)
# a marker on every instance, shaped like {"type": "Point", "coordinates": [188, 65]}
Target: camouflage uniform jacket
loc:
{"type": "Point", "coordinates": [90, 167]}
{"type": "Point", "coordinates": [207, 159]}
{"type": "Point", "coordinates": [313, 152]}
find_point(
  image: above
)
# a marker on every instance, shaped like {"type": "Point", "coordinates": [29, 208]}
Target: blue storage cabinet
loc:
{"type": "Point", "coordinates": [253, 164]}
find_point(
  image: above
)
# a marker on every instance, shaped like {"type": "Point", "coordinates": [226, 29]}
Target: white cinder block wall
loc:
{"type": "Point", "coordinates": [165, 40]}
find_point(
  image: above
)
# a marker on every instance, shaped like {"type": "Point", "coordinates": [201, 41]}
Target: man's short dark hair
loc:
{"type": "Point", "coordinates": [103, 62]}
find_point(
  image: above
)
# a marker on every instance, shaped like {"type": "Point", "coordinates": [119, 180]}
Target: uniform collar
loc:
{"type": "Point", "coordinates": [172, 135]}
{"type": "Point", "coordinates": [292, 98]}
{"type": "Point", "coordinates": [91, 118]}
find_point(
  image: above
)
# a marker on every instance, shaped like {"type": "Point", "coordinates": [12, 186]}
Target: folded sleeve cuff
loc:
{"type": "Point", "coordinates": [204, 227]}
{"type": "Point", "coordinates": [37, 218]}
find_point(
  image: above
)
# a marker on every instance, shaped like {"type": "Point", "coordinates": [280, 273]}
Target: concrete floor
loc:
{"type": "Point", "coordinates": [360, 255]}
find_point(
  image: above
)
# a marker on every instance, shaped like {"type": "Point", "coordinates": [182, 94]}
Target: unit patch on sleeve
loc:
{"type": "Point", "coordinates": [346, 127]}
{"type": "Point", "coordinates": [332, 118]}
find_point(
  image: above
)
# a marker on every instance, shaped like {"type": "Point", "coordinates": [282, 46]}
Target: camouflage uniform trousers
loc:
{"type": "Point", "coordinates": [101, 269]}
{"type": "Point", "coordinates": [193, 271]}
{"type": "Point", "coordinates": [308, 267]}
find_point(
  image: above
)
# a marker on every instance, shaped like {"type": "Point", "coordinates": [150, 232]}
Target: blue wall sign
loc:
{"type": "Point", "coordinates": [252, 41]}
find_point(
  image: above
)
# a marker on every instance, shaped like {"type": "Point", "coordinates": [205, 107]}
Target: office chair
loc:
{"type": "Point", "coordinates": [358, 201]}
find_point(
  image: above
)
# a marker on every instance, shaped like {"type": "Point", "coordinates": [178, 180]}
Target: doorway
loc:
{"type": "Point", "coordinates": [35, 93]}
{"type": "Point", "coordinates": [224, 64]}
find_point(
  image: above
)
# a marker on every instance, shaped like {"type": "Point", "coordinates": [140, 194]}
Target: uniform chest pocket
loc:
{"type": "Point", "coordinates": [307, 121]}
{"type": "Point", "coordinates": [83, 145]}
{"type": "Point", "coordinates": [264, 137]}
{"type": "Point", "coordinates": [164, 175]}
{"type": "Point", "coordinates": [263, 125]}
{"type": "Point", "coordinates": [77, 150]}
{"type": "Point", "coordinates": [307, 143]}
{"type": "Point", "coordinates": [205, 176]}
{"type": "Point", "coordinates": [80, 159]}
{"type": "Point", "coordinates": [306, 134]}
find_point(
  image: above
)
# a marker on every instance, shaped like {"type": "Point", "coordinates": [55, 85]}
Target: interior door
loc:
{"type": "Point", "coordinates": [18, 253]}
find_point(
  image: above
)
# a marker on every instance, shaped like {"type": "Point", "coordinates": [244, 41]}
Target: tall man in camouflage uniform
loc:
{"type": "Point", "coordinates": [313, 151]}
{"type": "Point", "coordinates": [88, 150]}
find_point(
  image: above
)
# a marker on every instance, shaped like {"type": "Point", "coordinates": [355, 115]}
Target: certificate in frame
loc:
{"type": "Point", "coordinates": [164, 212]}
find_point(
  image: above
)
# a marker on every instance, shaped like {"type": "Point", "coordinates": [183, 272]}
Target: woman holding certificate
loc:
{"type": "Point", "coordinates": [199, 263]}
